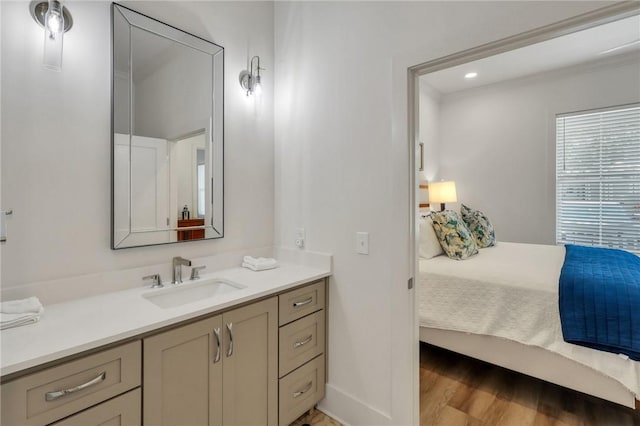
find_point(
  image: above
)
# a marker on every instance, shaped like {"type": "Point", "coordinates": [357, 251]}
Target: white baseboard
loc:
{"type": "Point", "coordinates": [349, 410]}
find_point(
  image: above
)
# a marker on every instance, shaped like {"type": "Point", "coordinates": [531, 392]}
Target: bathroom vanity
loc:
{"type": "Point", "coordinates": [255, 355]}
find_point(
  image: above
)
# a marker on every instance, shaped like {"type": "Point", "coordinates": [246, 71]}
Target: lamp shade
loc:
{"type": "Point", "coordinates": [442, 192]}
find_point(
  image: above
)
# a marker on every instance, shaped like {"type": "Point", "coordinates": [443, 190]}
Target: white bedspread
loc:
{"type": "Point", "coordinates": [510, 291]}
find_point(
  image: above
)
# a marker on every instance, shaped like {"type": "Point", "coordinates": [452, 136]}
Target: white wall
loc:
{"type": "Point", "coordinates": [56, 139]}
{"type": "Point", "coordinates": [498, 141]}
{"type": "Point", "coordinates": [189, 94]}
{"type": "Point", "coordinates": [342, 166]}
{"type": "Point", "coordinates": [1, 205]}
{"type": "Point", "coordinates": [429, 130]}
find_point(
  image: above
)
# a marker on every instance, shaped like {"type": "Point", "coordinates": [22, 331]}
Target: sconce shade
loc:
{"type": "Point", "coordinates": [56, 20]}
{"type": "Point", "coordinates": [442, 192]}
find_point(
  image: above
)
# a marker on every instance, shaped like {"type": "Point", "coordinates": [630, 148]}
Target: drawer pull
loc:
{"type": "Point", "coordinates": [304, 302]}
{"type": "Point", "coordinates": [303, 342]}
{"type": "Point", "coordinates": [303, 391]}
{"type": "Point", "coordinates": [216, 333]}
{"type": "Point", "coordinates": [53, 395]}
{"type": "Point", "coordinates": [230, 330]}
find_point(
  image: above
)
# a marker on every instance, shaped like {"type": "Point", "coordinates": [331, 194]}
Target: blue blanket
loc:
{"type": "Point", "coordinates": [600, 299]}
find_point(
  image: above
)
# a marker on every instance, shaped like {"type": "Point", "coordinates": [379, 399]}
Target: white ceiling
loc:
{"type": "Point", "coordinates": [572, 49]}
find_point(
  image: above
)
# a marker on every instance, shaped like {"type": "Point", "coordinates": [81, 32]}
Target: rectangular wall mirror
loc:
{"type": "Point", "coordinates": [167, 133]}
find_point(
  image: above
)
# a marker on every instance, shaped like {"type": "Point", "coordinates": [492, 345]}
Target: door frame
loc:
{"type": "Point", "coordinates": [574, 24]}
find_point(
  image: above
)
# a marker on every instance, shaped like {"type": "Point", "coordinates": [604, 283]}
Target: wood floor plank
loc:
{"type": "Point", "coordinates": [458, 390]}
{"type": "Point", "coordinates": [452, 417]}
{"type": "Point", "coordinates": [438, 398]}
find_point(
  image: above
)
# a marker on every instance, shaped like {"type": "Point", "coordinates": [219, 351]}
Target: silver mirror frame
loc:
{"type": "Point", "coordinates": [214, 228]}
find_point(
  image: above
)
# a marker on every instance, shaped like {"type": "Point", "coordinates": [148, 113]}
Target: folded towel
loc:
{"type": "Point", "coordinates": [15, 320]}
{"type": "Point", "coordinates": [260, 262]}
{"type": "Point", "coordinates": [20, 312]}
{"type": "Point", "coordinates": [259, 267]}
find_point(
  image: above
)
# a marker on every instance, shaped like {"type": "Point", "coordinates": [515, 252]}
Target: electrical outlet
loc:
{"type": "Point", "coordinates": [300, 237]}
{"type": "Point", "coordinates": [362, 242]}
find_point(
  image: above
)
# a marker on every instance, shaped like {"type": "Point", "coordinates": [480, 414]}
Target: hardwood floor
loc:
{"type": "Point", "coordinates": [457, 390]}
{"type": "Point", "coordinates": [316, 418]}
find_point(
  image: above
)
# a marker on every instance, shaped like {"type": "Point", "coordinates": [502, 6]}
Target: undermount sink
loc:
{"type": "Point", "coordinates": [190, 292]}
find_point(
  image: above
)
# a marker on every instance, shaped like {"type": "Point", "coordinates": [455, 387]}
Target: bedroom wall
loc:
{"type": "Point", "coordinates": [429, 130]}
{"type": "Point", "coordinates": [498, 141]}
{"type": "Point", "coordinates": [56, 140]}
{"type": "Point", "coordinates": [341, 158]}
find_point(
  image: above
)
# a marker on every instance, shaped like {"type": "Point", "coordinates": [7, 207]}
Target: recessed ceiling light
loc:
{"type": "Point", "coordinates": [471, 75]}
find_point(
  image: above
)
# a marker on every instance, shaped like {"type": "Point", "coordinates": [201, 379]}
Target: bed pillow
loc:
{"type": "Point", "coordinates": [479, 225]}
{"type": "Point", "coordinates": [428, 245]}
{"type": "Point", "coordinates": [454, 236]}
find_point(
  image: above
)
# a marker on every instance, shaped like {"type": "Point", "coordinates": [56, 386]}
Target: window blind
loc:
{"type": "Point", "coordinates": [598, 178]}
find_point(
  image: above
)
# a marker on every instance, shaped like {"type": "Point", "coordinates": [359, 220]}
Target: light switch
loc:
{"type": "Point", "coordinates": [362, 242]}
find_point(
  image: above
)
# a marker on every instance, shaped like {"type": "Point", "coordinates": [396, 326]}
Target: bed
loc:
{"type": "Point", "coordinates": [501, 306]}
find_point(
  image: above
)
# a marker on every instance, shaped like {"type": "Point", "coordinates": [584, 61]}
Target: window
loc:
{"type": "Point", "coordinates": [598, 178]}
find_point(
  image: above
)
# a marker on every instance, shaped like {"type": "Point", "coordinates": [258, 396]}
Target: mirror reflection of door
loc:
{"type": "Point", "coordinates": [148, 177]}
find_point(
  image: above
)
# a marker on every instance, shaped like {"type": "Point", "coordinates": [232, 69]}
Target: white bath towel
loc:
{"type": "Point", "coordinates": [14, 313]}
{"type": "Point", "coordinates": [259, 264]}
{"type": "Point", "coordinates": [258, 268]}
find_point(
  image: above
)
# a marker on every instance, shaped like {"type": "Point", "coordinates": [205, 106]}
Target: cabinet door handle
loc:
{"type": "Point", "coordinates": [53, 395]}
{"type": "Point", "coordinates": [216, 333]}
{"type": "Point", "coordinates": [304, 302]}
{"type": "Point", "coordinates": [303, 391]}
{"type": "Point", "coordinates": [303, 342]}
{"type": "Point", "coordinates": [230, 330]}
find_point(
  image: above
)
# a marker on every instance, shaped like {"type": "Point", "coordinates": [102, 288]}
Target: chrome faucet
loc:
{"type": "Point", "coordinates": [177, 268]}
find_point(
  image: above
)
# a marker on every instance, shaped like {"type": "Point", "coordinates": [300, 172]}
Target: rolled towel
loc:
{"type": "Point", "coordinates": [14, 313]}
{"type": "Point", "coordinates": [259, 267]}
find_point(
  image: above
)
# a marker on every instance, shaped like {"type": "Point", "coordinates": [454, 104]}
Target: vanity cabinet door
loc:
{"type": "Point", "coordinates": [219, 371]}
{"type": "Point", "coordinates": [250, 366]}
{"type": "Point", "coordinates": [182, 382]}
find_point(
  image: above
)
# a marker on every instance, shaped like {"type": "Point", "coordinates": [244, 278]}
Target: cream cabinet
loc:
{"type": "Point", "coordinates": [301, 350]}
{"type": "Point", "coordinates": [123, 410]}
{"type": "Point", "coordinates": [218, 371]}
{"type": "Point", "coordinates": [68, 388]}
{"type": "Point", "coordinates": [260, 364]}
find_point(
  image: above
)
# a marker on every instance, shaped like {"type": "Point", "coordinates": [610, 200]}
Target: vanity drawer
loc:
{"type": "Point", "coordinates": [122, 410]}
{"type": "Point", "coordinates": [303, 301]}
{"type": "Point", "coordinates": [301, 341]}
{"type": "Point", "coordinates": [301, 390]}
{"type": "Point", "coordinates": [59, 391]}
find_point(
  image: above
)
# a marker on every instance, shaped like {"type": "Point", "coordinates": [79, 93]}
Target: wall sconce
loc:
{"type": "Point", "coordinates": [250, 80]}
{"type": "Point", "coordinates": [442, 192]}
{"type": "Point", "coordinates": [56, 20]}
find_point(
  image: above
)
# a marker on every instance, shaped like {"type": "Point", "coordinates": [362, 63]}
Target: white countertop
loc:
{"type": "Point", "coordinates": [72, 327]}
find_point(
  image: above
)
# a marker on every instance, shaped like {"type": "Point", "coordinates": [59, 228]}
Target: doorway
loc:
{"type": "Point", "coordinates": [477, 185]}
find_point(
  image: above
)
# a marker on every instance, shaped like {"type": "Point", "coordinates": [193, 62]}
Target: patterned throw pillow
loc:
{"type": "Point", "coordinates": [479, 225]}
{"type": "Point", "coordinates": [455, 238]}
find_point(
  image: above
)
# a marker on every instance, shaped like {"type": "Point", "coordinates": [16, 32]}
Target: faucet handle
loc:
{"type": "Point", "coordinates": [195, 272]}
{"type": "Point", "coordinates": [157, 281]}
